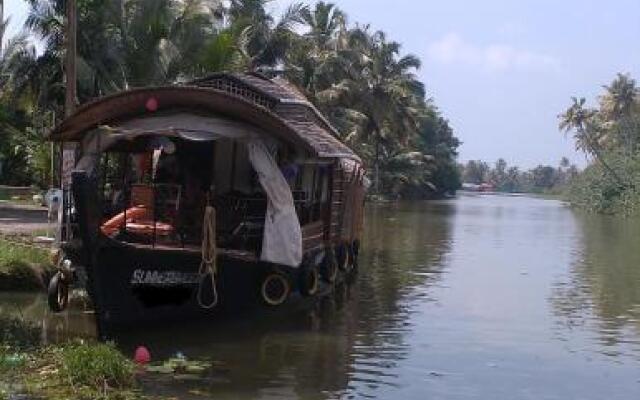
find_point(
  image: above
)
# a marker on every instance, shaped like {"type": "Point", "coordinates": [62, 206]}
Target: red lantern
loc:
{"type": "Point", "coordinates": [151, 104]}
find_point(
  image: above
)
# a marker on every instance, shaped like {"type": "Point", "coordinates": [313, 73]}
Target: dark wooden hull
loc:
{"type": "Point", "coordinates": [132, 285]}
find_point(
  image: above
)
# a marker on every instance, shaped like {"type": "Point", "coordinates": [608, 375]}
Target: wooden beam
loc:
{"type": "Point", "coordinates": [234, 157]}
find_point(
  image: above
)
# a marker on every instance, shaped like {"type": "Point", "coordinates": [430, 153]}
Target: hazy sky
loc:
{"type": "Point", "coordinates": [501, 71]}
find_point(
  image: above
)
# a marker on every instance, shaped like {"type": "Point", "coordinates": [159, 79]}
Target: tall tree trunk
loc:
{"type": "Point", "coordinates": [1, 22]}
{"type": "Point", "coordinates": [376, 162]}
{"type": "Point", "coordinates": [600, 158]}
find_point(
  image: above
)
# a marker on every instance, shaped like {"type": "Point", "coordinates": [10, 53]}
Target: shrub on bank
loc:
{"type": "Point", "coordinates": [12, 253]}
{"type": "Point", "coordinates": [22, 267]}
{"type": "Point", "coordinates": [596, 190]}
{"type": "Point", "coordinates": [96, 366]}
{"type": "Point", "coordinates": [78, 371]}
{"type": "Point", "coordinates": [75, 370]}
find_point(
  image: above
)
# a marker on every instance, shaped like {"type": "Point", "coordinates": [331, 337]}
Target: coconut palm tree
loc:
{"type": "Point", "coordinates": [20, 147]}
{"type": "Point", "coordinates": [586, 129]}
{"type": "Point", "coordinates": [620, 97]}
{"type": "Point", "coordinates": [263, 40]}
{"type": "Point", "coordinates": [576, 118]}
{"type": "Point", "coordinates": [383, 90]}
{"type": "Point", "coordinates": [360, 79]}
{"type": "Point", "coordinates": [323, 22]}
{"type": "Point", "coordinates": [17, 58]}
{"type": "Point", "coordinates": [124, 43]}
{"type": "Point", "coordinates": [617, 106]}
{"type": "Point", "coordinates": [315, 60]}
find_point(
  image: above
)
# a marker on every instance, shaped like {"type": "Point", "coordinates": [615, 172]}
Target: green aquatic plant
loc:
{"type": "Point", "coordinates": [179, 366]}
{"type": "Point", "coordinates": [97, 366]}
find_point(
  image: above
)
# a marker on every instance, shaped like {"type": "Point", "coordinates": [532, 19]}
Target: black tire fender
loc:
{"type": "Point", "coordinates": [275, 288]}
{"type": "Point", "coordinates": [308, 279]}
{"type": "Point", "coordinates": [58, 293]}
{"type": "Point", "coordinates": [329, 269]}
{"type": "Point", "coordinates": [355, 250]}
{"type": "Point", "coordinates": [343, 257]}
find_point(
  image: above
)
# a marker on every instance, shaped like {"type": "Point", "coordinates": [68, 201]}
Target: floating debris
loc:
{"type": "Point", "coordinates": [181, 367]}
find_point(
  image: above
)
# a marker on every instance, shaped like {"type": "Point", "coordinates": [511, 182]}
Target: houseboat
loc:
{"type": "Point", "coordinates": [190, 200]}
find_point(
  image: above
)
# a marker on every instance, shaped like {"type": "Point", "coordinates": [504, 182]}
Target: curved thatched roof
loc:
{"type": "Point", "coordinates": [274, 105]}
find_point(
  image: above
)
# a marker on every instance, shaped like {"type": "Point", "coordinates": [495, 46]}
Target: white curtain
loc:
{"type": "Point", "coordinates": [282, 241]}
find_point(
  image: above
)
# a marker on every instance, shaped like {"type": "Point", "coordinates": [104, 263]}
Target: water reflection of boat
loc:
{"type": "Point", "coordinates": [31, 307]}
{"type": "Point", "coordinates": [196, 199]}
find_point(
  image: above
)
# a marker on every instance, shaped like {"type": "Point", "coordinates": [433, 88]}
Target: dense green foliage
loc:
{"type": "Point", "coordinates": [12, 254]}
{"type": "Point", "coordinates": [96, 365]}
{"type": "Point", "coordinates": [23, 267]}
{"type": "Point", "coordinates": [503, 178]}
{"type": "Point", "coordinates": [610, 135]}
{"type": "Point", "coordinates": [75, 370]}
{"type": "Point", "coordinates": [358, 77]}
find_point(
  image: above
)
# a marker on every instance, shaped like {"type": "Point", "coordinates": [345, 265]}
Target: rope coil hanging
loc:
{"type": "Point", "coordinates": [208, 266]}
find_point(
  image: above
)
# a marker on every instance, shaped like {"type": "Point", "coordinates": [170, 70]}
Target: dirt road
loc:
{"type": "Point", "coordinates": [22, 219]}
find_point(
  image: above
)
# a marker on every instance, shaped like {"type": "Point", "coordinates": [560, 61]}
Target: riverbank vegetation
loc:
{"type": "Point", "coordinates": [86, 369]}
{"type": "Point", "coordinates": [74, 370]}
{"type": "Point", "coordinates": [357, 76]}
{"type": "Point", "coordinates": [23, 267]}
{"type": "Point", "coordinates": [609, 134]}
{"type": "Point", "coordinates": [543, 179]}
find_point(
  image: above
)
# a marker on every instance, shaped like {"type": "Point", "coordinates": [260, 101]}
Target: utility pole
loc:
{"type": "Point", "coordinates": [71, 94]}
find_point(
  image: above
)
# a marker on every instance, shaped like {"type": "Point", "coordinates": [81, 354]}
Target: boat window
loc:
{"type": "Point", "coordinates": [311, 192]}
{"type": "Point", "coordinates": [157, 197]}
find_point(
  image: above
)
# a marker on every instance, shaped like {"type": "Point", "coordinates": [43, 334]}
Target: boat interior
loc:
{"type": "Point", "coordinates": [154, 188]}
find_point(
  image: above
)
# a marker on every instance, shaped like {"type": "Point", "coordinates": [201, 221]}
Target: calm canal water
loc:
{"type": "Point", "coordinates": [481, 297]}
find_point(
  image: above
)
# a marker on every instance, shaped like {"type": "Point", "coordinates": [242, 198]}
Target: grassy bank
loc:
{"type": "Point", "coordinates": [75, 370]}
{"type": "Point", "coordinates": [83, 369]}
{"type": "Point", "coordinates": [23, 267]}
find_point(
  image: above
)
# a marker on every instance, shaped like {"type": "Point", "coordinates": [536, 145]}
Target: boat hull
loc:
{"type": "Point", "coordinates": [132, 286]}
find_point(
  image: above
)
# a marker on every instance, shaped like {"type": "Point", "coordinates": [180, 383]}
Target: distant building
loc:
{"type": "Point", "coordinates": [483, 187]}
